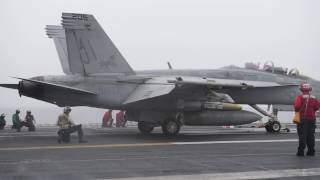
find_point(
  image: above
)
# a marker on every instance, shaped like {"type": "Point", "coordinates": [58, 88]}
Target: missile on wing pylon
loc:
{"type": "Point", "coordinates": [199, 106]}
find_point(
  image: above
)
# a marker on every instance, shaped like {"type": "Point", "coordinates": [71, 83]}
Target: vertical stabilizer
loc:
{"type": "Point", "coordinates": [58, 35]}
{"type": "Point", "coordinates": [90, 50]}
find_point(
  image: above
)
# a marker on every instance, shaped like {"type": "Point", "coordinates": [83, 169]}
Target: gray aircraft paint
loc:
{"type": "Point", "coordinates": [101, 77]}
{"type": "Point", "coordinates": [237, 73]}
{"type": "Point", "coordinates": [58, 35]}
{"type": "Point", "coordinates": [88, 43]}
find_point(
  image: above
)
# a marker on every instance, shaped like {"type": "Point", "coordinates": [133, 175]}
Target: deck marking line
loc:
{"type": "Point", "coordinates": [238, 142]}
{"type": "Point", "coordinates": [48, 161]}
{"type": "Point", "coordinates": [143, 144]}
{"type": "Point", "coordinates": [268, 174]}
{"type": "Point", "coordinates": [85, 146]}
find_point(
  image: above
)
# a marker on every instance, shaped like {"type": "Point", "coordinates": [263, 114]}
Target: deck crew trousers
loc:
{"type": "Point", "coordinates": [75, 128]}
{"type": "Point", "coordinates": [306, 129]}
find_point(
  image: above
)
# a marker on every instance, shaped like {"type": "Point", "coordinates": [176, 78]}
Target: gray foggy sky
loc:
{"type": "Point", "coordinates": [188, 33]}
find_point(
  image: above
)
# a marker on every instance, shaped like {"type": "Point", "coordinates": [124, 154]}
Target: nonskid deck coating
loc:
{"type": "Point", "coordinates": [124, 153]}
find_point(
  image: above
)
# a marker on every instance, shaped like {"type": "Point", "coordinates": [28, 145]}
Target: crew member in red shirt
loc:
{"type": "Point", "coordinates": [107, 119]}
{"type": "Point", "coordinates": [307, 105]}
{"type": "Point", "coordinates": [120, 119]}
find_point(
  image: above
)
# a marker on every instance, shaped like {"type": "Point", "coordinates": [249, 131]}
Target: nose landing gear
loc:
{"type": "Point", "coordinates": [273, 126]}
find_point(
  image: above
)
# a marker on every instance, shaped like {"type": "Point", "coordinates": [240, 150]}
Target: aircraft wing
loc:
{"type": "Point", "coordinates": [238, 91]}
{"type": "Point", "coordinates": [224, 90]}
{"type": "Point", "coordinates": [222, 83]}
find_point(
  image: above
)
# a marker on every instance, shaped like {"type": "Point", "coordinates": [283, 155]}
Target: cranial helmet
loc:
{"type": "Point", "coordinates": [67, 109]}
{"type": "Point", "coordinates": [305, 87]}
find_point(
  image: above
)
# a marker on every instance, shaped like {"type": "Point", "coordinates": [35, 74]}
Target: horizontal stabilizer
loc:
{"type": "Point", "coordinates": [61, 87]}
{"type": "Point", "coordinates": [11, 86]}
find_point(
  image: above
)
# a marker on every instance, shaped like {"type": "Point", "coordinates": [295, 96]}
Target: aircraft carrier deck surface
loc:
{"type": "Point", "coordinates": [123, 153]}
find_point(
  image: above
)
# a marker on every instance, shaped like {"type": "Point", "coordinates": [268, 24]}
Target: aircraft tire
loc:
{"type": "Point", "coordinates": [145, 128]}
{"type": "Point", "coordinates": [275, 126]}
{"type": "Point", "coordinates": [171, 128]}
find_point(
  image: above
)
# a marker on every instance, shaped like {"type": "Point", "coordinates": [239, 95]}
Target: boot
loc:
{"type": "Point", "coordinates": [300, 153]}
{"type": "Point", "coordinates": [311, 153]}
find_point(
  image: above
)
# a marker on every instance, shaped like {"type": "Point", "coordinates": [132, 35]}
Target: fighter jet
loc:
{"type": "Point", "coordinates": [97, 75]}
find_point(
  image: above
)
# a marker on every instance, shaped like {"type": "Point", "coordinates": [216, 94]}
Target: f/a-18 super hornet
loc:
{"type": "Point", "coordinates": [97, 75]}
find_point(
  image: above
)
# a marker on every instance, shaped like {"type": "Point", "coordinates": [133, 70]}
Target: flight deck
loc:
{"type": "Point", "coordinates": [124, 153]}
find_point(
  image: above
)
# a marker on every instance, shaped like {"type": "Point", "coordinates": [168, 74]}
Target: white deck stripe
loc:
{"type": "Point", "coordinates": [238, 142]}
{"type": "Point", "coordinates": [286, 173]}
{"type": "Point", "coordinates": [75, 146]}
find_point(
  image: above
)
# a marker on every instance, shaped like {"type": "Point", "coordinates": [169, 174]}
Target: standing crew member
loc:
{"type": "Point", "coordinates": [307, 105]}
{"type": "Point", "coordinates": [120, 119]}
{"type": "Point", "coordinates": [2, 121]}
{"type": "Point", "coordinates": [67, 126]}
{"type": "Point", "coordinates": [30, 121]}
{"type": "Point", "coordinates": [107, 119]}
{"type": "Point", "coordinates": [16, 121]}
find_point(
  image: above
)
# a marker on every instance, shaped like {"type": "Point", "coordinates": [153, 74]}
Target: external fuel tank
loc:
{"type": "Point", "coordinates": [220, 118]}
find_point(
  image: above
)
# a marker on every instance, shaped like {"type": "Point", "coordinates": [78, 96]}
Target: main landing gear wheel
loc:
{"type": "Point", "coordinates": [171, 128]}
{"type": "Point", "coordinates": [145, 128]}
{"type": "Point", "coordinates": [273, 126]}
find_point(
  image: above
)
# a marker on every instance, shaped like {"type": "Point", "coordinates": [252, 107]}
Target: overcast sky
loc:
{"type": "Point", "coordinates": [188, 33]}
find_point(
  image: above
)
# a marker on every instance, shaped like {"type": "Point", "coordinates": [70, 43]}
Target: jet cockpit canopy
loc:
{"type": "Point", "coordinates": [269, 66]}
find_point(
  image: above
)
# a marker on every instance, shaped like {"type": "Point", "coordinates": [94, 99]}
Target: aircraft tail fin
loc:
{"type": "Point", "coordinates": [57, 33]}
{"type": "Point", "coordinates": [90, 50]}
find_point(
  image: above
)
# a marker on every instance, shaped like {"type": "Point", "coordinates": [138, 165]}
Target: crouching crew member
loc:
{"type": "Point", "coordinates": [30, 121]}
{"type": "Point", "coordinates": [67, 127]}
{"type": "Point", "coordinates": [2, 121]}
{"type": "Point", "coordinates": [16, 121]}
{"type": "Point", "coordinates": [307, 105]}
